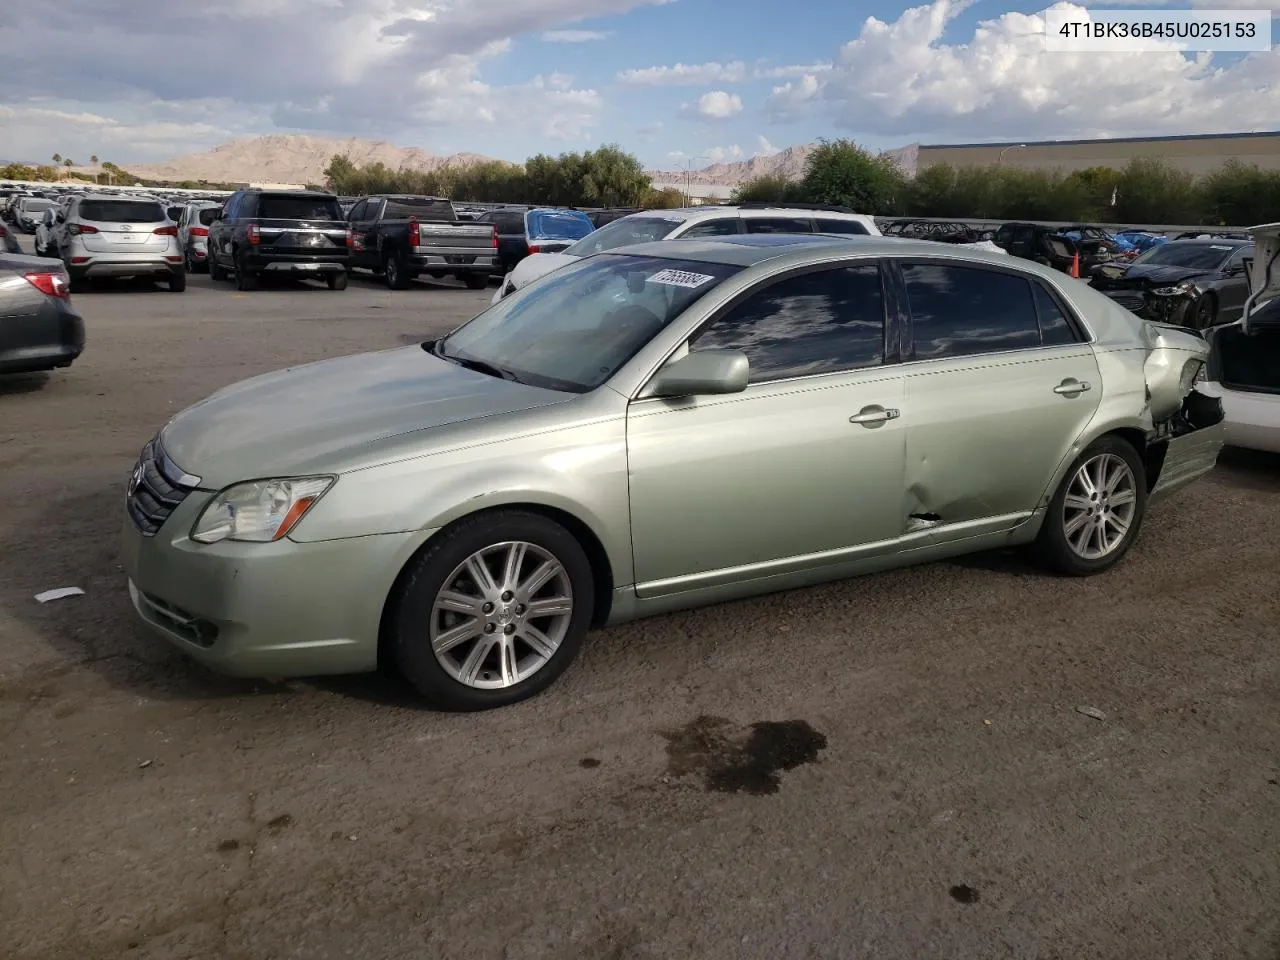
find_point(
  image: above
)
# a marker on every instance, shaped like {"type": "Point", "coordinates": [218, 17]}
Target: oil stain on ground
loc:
{"type": "Point", "coordinates": [733, 759]}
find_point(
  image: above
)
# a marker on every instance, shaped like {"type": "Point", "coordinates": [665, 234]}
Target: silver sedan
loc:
{"type": "Point", "coordinates": [655, 428]}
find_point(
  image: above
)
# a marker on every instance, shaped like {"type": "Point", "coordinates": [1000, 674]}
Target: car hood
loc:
{"type": "Point", "coordinates": [538, 265]}
{"type": "Point", "coordinates": [313, 418]}
{"type": "Point", "coordinates": [1145, 274]}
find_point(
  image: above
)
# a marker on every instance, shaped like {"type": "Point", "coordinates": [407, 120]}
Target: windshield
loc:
{"type": "Point", "coordinates": [622, 232]}
{"type": "Point", "coordinates": [558, 225]}
{"type": "Point", "coordinates": [121, 211]}
{"type": "Point", "coordinates": [35, 205]}
{"type": "Point", "coordinates": [1193, 256]}
{"type": "Point", "coordinates": [572, 329]}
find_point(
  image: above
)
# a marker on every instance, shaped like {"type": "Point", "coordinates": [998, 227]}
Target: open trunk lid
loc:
{"type": "Point", "coordinates": [1264, 274]}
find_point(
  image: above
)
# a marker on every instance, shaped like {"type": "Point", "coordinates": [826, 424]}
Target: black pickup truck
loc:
{"type": "Point", "coordinates": [280, 233]}
{"type": "Point", "coordinates": [402, 237]}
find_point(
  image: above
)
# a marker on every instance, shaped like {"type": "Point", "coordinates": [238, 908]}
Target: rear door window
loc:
{"type": "Point", "coordinates": [960, 311]}
{"type": "Point", "coordinates": [121, 211]}
{"type": "Point", "coordinates": [209, 214]}
{"type": "Point", "coordinates": [778, 225]}
{"type": "Point", "coordinates": [722, 227]}
{"type": "Point", "coordinates": [276, 206]}
{"type": "Point", "coordinates": [841, 226]}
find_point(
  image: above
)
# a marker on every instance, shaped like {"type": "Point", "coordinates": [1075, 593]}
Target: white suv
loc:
{"type": "Point", "coordinates": [690, 223]}
{"type": "Point", "coordinates": [111, 236]}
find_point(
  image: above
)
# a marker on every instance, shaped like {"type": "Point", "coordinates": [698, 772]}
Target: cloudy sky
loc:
{"type": "Point", "coordinates": [675, 81]}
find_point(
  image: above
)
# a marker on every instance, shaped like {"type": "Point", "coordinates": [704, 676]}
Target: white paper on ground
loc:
{"type": "Point", "coordinates": [59, 593]}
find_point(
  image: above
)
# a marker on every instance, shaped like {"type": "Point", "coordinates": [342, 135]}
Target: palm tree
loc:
{"type": "Point", "coordinates": [68, 163]}
{"type": "Point", "coordinates": [57, 160]}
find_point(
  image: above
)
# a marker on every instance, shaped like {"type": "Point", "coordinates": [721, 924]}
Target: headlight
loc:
{"type": "Point", "coordinates": [259, 511]}
{"type": "Point", "coordinates": [1180, 290]}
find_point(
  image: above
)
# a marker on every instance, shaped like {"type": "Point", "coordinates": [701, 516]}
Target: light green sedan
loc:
{"type": "Point", "coordinates": [655, 428]}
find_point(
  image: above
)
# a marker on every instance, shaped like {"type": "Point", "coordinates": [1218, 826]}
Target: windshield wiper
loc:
{"type": "Point", "coordinates": [480, 366]}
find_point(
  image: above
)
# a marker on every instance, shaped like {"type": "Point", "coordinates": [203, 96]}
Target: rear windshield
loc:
{"type": "Point", "coordinates": [210, 214]}
{"type": "Point", "coordinates": [559, 225]}
{"type": "Point", "coordinates": [424, 208]}
{"type": "Point", "coordinates": [121, 211]}
{"type": "Point", "coordinates": [1194, 256]}
{"type": "Point", "coordinates": [37, 204]}
{"type": "Point", "coordinates": [284, 207]}
{"type": "Point", "coordinates": [621, 233]}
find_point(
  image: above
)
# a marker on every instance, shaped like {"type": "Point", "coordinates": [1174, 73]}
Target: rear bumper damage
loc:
{"type": "Point", "coordinates": [1187, 447]}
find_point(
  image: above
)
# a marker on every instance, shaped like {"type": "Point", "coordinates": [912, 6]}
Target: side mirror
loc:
{"type": "Point", "coordinates": [701, 373]}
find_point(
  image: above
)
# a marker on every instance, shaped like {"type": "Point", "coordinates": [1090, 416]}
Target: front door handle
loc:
{"type": "Point", "coordinates": [869, 416]}
{"type": "Point", "coordinates": [1072, 388]}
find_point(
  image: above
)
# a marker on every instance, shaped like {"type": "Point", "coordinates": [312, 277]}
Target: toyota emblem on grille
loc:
{"type": "Point", "coordinates": [135, 479]}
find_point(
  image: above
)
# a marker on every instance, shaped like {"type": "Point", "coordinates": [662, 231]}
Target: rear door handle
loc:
{"type": "Point", "coordinates": [1071, 388]}
{"type": "Point", "coordinates": [874, 414]}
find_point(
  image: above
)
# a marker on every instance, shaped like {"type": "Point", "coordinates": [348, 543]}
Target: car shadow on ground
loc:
{"type": "Point", "coordinates": [365, 278]}
{"type": "Point", "coordinates": [15, 383]}
{"type": "Point", "coordinates": [1249, 470]}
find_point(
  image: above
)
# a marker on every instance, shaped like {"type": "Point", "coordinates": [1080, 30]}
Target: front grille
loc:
{"type": "Point", "coordinates": [1130, 301]}
{"type": "Point", "coordinates": [156, 488]}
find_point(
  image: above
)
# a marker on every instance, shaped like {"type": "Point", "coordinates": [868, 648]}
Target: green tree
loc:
{"type": "Point", "coordinates": [1237, 194]}
{"type": "Point", "coordinates": [17, 171]}
{"type": "Point", "coordinates": [770, 188]}
{"type": "Point", "coordinates": [666, 199]}
{"type": "Point", "coordinates": [1152, 191]}
{"type": "Point", "coordinates": [839, 171]}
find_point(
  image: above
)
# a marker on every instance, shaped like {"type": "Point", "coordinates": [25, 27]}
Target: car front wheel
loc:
{"type": "Point", "coordinates": [1096, 513]}
{"type": "Point", "coordinates": [493, 612]}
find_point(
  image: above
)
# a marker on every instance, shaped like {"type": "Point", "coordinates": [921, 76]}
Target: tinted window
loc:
{"type": "Point", "coordinates": [777, 225]}
{"type": "Point", "coordinates": [1055, 328]}
{"type": "Point", "coordinates": [175, 213]}
{"type": "Point", "coordinates": [1238, 258]}
{"type": "Point", "coordinates": [358, 211]}
{"type": "Point", "coordinates": [233, 206]}
{"type": "Point", "coordinates": [956, 311]}
{"type": "Point", "coordinates": [713, 228]}
{"type": "Point", "coordinates": [209, 214]}
{"type": "Point", "coordinates": [276, 206]}
{"type": "Point", "coordinates": [813, 323]}
{"type": "Point", "coordinates": [842, 226]}
{"type": "Point", "coordinates": [121, 211]}
{"type": "Point", "coordinates": [558, 224]}
{"type": "Point", "coordinates": [424, 208]}
{"type": "Point", "coordinates": [509, 222]}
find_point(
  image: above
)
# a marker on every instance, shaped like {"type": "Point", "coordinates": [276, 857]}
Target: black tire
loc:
{"type": "Point", "coordinates": [246, 279]}
{"type": "Point", "coordinates": [77, 282]}
{"type": "Point", "coordinates": [1206, 312]}
{"type": "Point", "coordinates": [336, 281]}
{"type": "Point", "coordinates": [412, 607]}
{"type": "Point", "coordinates": [216, 273]}
{"type": "Point", "coordinates": [177, 282]}
{"type": "Point", "coordinates": [1052, 543]}
{"type": "Point", "coordinates": [475, 281]}
{"type": "Point", "coordinates": [394, 273]}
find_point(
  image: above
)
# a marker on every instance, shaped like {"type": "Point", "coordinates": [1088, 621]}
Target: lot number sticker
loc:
{"type": "Point", "coordinates": [680, 278]}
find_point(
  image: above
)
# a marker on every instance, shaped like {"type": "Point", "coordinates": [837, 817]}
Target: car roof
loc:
{"type": "Point", "coordinates": [750, 249]}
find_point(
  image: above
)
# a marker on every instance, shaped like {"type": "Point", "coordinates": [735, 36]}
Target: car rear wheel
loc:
{"type": "Point", "coordinates": [337, 281]}
{"type": "Point", "coordinates": [493, 612]}
{"type": "Point", "coordinates": [216, 273]}
{"type": "Point", "coordinates": [475, 281]}
{"type": "Point", "coordinates": [245, 278]}
{"type": "Point", "coordinates": [177, 282]}
{"type": "Point", "coordinates": [393, 270]}
{"type": "Point", "coordinates": [1097, 511]}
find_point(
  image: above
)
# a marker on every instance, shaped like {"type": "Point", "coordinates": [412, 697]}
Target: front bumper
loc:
{"type": "Point", "coordinates": [52, 337]}
{"type": "Point", "coordinates": [1178, 310]}
{"type": "Point", "coordinates": [283, 609]}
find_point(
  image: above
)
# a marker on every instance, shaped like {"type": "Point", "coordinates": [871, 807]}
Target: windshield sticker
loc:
{"type": "Point", "coordinates": [680, 278]}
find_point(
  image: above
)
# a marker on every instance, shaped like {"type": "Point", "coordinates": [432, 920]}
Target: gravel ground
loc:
{"type": "Point", "coordinates": [893, 767]}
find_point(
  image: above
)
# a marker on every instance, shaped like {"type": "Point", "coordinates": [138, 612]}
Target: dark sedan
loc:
{"type": "Point", "coordinates": [39, 329]}
{"type": "Point", "coordinates": [1192, 283]}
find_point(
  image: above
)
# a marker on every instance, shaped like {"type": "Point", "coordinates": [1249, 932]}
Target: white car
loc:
{"type": "Point", "coordinates": [1244, 367]}
{"type": "Point", "coordinates": [690, 223]}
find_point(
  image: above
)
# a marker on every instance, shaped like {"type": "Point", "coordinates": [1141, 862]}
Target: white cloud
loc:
{"type": "Point", "coordinates": [685, 75]}
{"type": "Point", "coordinates": [764, 148]}
{"type": "Point", "coordinates": [575, 36]}
{"type": "Point", "coordinates": [718, 105]}
{"type": "Point", "coordinates": [794, 70]}
{"type": "Point", "coordinates": [723, 154]}
{"type": "Point", "coordinates": [901, 79]}
{"type": "Point", "coordinates": [371, 68]}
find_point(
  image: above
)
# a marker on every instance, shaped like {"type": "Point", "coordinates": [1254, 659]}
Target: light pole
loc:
{"type": "Point", "coordinates": [1012, 146]}
{"type": "Point", "coordinates": [688, 178]}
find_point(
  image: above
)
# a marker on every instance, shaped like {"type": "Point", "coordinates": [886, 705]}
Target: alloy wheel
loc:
{"type": "Point", "coordinates": [1099, 507]}
{"type": "Point", "coordinates": [501, 615]}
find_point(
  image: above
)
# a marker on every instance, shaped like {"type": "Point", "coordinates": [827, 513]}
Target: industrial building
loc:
{"type": "Point", "coordinates": [1196, 154]}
